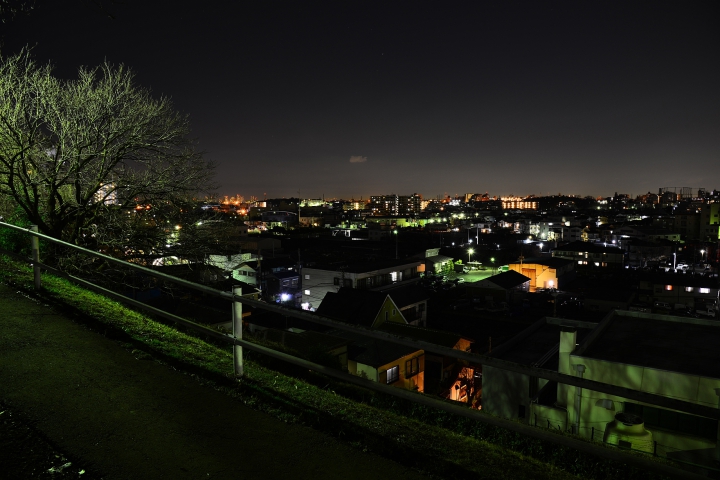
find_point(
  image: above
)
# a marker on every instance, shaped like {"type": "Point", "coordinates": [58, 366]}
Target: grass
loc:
{"type": "Point", "coordinates": [430, 440]}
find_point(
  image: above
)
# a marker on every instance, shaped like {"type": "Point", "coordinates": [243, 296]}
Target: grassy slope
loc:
{"type": "Point", "coordinates": [430, 440]}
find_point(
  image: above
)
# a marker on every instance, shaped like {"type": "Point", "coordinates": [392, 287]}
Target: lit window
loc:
{"type": "Point", "coordinates": [688, 289]}
{"type": "Point", "coordinates": [393, 374]}
{"type": "Point", "coordinates": [307, 277]}
{"type": "Point", "coordinates": [307, 292]}
{"type": "Point", "coordinates": [580, 262]}
{"type": "Point", "coordinates": [704, 290]}
{"type": "Point", "coordinates": [668, 287]}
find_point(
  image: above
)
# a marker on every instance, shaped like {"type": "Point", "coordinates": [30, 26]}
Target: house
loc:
{"type": "Point", "coordinates": [386, 362]}
{"type": "Point", "coordinates": [443, 375]}
{"type": "Point", "coordinates": [669, 356]}
{"type": "Point", "coordinates": [364, 308]}
{"type": "Point", "coordinates": [519, 396]}
{"type": "Point", "coordinates": [640, 252]}
{"type": "Point", "coordinates": [546, 272]}
{"type": "Point", "coordinates": [591, 255]}
{"type": "Point", "coordinates": [503, 287]}
{"type": "Point", "coordinates": [436, 263]}
{"type": "Point", "coordinates": [283, 286]}
{"type": "Point", "coordinates": [317, 281]}
{"type": "Point", "coordinates": [242, 266]}
{"type": "Point", "coordinates": [376, 360]}
{"type": "Point", "coordinates": [411, 300]}
{"type": "Point", "coordinates": [694, 291]}
{"type": "Point", "coordinates": [674, 357]}
{"type": "Point", "coordinates": [647, 233]}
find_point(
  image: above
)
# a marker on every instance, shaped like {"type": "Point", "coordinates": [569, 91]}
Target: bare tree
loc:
{"type": "Point", "coordinates": [72, 150]}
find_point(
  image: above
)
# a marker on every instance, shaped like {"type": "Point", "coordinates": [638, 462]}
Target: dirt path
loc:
{"type": "Point", "coordinates": [124, 418]}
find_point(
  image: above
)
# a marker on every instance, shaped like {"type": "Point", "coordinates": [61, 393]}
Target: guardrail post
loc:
{"type": "Point", "coordinates": [35, 248]}
{"type": "Point", "coordinates": [237, 332]}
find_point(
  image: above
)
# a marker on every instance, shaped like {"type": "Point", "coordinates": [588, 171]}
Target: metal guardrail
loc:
{"type": "Point", "coordinates": [235, 339]}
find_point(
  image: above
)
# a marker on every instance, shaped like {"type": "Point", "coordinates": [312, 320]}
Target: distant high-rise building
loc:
{"type": "Point", "coordinates": [410, 204]}
{"type": "Point", "coordinates": [396, 205]}
{"type": "Point", "coordinates": [384, 204]}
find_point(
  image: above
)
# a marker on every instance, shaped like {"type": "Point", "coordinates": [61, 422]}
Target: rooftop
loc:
{"type": "Point", "coordinates": [587, 247]}
{"type": "Point", "coordinates": [677, 344]}
{"type": "Point", "coordinates": [552, 262]}
{"type": "Point", "coordinates": [537, 344]}
{"type": "Point", "coordinates": [363, 267]}
{"type": "Point", "coordinates": [350, 305]}
{"type": "Point", "coordinates": [509, 279]}
{"type": "Point", "coordinates": [437, 337]}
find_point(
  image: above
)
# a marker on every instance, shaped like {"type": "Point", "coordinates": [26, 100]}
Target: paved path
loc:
{"type": "Point", "coordinates": [134, 419]}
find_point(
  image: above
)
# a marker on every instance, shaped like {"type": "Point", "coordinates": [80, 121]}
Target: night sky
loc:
{"type": "Point", "coordinates": [351, 99]}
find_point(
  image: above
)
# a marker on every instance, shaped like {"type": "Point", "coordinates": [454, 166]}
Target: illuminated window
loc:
{"type": "Point", "coordinates": [580, 262]}
{"type": "Point", "coordinates": [704, 290]}
{"type": "Point", "coordinates": [307, 277]}
{"type": "Point", "coordinates": [668, 287]}
{"type": "Point", "coordinates": [393, 374]}
{"type": "Point", "coordinates": [688, 289]}
{"type": "Point", "coordinates": [307, 292]}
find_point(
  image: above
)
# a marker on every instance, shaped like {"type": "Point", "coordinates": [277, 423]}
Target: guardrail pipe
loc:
{"type": "Point", "coordinates": [237, 333]}
{"type": "Point", "coordinates": [35, 248]}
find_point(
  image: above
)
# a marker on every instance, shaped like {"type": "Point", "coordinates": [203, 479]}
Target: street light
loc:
{"type": "Point", "coordinates": [470, 252]}
{"type": "Point", "coordinates": [492, 260]}
{"type": "Point", "coordinates": [396, 244]}
{"type": "Point", "coordinates": [702, 255]}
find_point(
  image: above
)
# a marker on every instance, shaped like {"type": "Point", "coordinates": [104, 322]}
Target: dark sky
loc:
{"type": "Point", "coordinates": [506, 97]}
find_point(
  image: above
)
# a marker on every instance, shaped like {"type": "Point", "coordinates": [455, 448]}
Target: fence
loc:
{"type": "Point", "coordinates": [235, 339]}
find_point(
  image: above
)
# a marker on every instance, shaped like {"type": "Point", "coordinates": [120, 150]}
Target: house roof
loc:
{"type": "Point", "coordinates": [437, 337]}
{"type": "Point", "coordinates": [350, 305]}
{"type": "Point", "coordinates": [664, 342]}
{"type": "Point", "coordinates": [587, 247]}
{"type": "Point", "coordinates": [508, 280]}
{"type": "Point", "coordinates": [406, 295]}
{"type": "Point", "coordinates": [552, 262]}
{"type": "Point", "coordinates": [375, 353]}
{"type": "Point", "coordinates": [304, 342]}
{"type": "Point", "coordinates": [365, 267]}
{"type": "Point", "coordinates": [438, 259]}
{"type": "Point", "coordinates": [536, 345]}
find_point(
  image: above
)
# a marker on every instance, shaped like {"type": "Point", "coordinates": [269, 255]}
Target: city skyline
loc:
{"type": "Point", "coordinates": [352, 101]}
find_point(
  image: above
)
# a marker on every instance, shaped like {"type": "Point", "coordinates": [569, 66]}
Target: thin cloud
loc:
{"type": "Point", "coordinates": [358, 159]}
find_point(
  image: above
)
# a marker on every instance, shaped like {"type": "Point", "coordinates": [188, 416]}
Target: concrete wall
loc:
{"type": "Point", "coordinates": [503, 392]}
{"type": "Point", "coordinates": [594, 411]}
